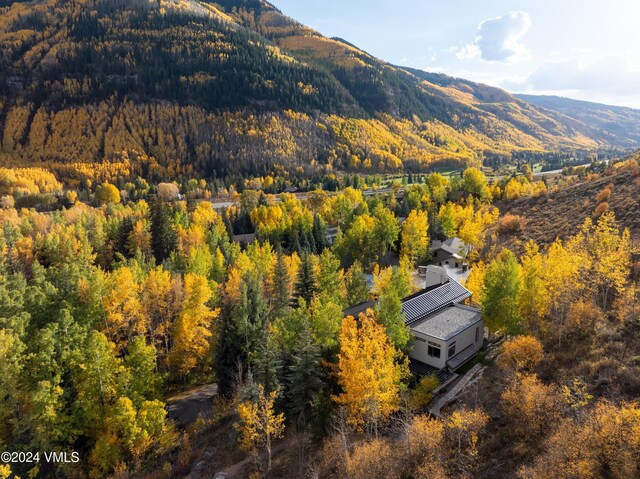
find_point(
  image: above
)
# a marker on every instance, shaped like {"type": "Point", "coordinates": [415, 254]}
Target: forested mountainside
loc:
{"type": "Point", "coordinates": [186, 87]}
{"type": "Point", "coordinates": [561, 212]}
{"type": "Point", "coordinates": [612, 121]}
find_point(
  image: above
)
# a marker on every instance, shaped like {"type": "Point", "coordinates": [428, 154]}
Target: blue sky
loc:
{"type": "Point", "coordinates": [589, 49]}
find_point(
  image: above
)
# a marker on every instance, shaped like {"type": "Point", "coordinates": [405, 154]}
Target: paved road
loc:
{"type": "Point", "coordinates": [220, 204]}
{"type": "Point", "coordinates": [186, 407]}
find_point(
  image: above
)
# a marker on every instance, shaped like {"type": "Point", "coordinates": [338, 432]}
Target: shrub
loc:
{"type": "Point", "coordinates": [423, 392]}
{"type": "Point", "coordinates": [604, 195]}
{"type": "Point", "coordinates": [601, 209]}
{"type": "Point", "coordinates": [522, 353]}
{"type": "Point", "coordinates": [168, 191]}
{"type": "Point", "coordinates": [371, 459]}
{"type": "Point", "coordinates": [532, 407]}
{"type": "Point", "coordinates": [510, 224]}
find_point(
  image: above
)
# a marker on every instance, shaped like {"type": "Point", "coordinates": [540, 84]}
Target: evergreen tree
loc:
{"type": "Point", "coordinates": [267, 363]}
{"type": "Point", "coordinates": [163, 236]}
{"type": "Point", "coordinates": [243, 325]}
{"type": "Point", "coordinates": [281, 294]}
{"type": "Point", "coordinates": [304, 378]}
{"type": "Point", "coordinates": [307, 285]}
{"type": "Point", "coordinates": [319, 233]}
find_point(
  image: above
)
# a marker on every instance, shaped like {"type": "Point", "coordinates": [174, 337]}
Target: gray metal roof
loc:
{"type": "Point", "coordinates": [427, 302]}
{"type": "Point", "coordinates": [359, 308]}
{"type": "Point", "coordinates": [448, 322]}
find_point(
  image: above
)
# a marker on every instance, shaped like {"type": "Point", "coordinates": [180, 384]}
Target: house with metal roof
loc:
{"type": "Point", "coordinates": [445, 334]}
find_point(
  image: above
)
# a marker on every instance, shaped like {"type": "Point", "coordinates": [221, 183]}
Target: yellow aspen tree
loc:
{"type": "Point", "coordinates": [107, 193]}
{"type": "Point", "coordinates": [5, 472]}
{"type": "Point", "coordinates": [161, 296]}
{"type": "Point", "coordinates": [192, 329]}
{"type": "Point", "coordinates": [563, 282]}
{"type": "Point", "coordinates": [140, 239]}
{"type": "Point", "coordinates": [368, 372]}
{"type": "Point", "coordinates": [611, 253]}
{"type": "Point", "coordinates": [462, 428]}
{"type": "Point", "coordinates": [415, 236]}
{"type": "Point", "coordinates": [534, 297]}
{"type": "Point", "coordinates": [475, 282]}
{"type": "Point", "coordinates": [125, 316]}
{"type": "Point", "coordinates": [260, 424]}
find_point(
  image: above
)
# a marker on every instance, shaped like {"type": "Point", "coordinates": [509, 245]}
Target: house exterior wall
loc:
{"type": "Point", "coordinates": [464, 339]}
{"type": "Point", "coordinates": [420, 350]}
{"type": "Point", "coordinates": [443, 258]}
{"type": "Point", "coordinates": [467, 338]}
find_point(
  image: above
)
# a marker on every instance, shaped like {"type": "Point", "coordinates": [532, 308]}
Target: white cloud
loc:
{"type": "Point", "coordinates": [603, 78]}
{"type": "Point", "coordinates": [499, 40]}
{"type": "Point", "coordinates": [613, 73]}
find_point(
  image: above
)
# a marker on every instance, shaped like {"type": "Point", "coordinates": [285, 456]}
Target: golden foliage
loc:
{"type": "Point", "coordinates": [373, 458]}
{"type": "Point", "coordinates": [259, 423]}
{"type": "Point", "coordinates": [192, 329]}
{"type": "Point", "coordinates": [367, 371]}
{"type": "Point", "coordinates": [27, 181]}
{"type": "Point", "coordinates": [415, 237]}
{"type": "Point", "coordinates": [521, 354]}
{"type": "Point", "coordinates": [533, 408]}
{"type": "Point", "coordinates": [608, 439]}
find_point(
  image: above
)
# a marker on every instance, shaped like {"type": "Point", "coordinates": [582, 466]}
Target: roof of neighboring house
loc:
{"type": "Point", "coordinates": [246, 238]}
{"type": "Point", "coordinates": [448, 322]}
{"type": "Point", "coordinates": [430, 300]}
{"type": "Point", "coordinates": [452, 246]}
{"type": "Point", "coordinates": [359, 308]}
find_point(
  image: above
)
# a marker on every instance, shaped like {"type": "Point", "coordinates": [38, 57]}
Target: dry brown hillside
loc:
{"type": "Point", "coordinates": [561, 213]}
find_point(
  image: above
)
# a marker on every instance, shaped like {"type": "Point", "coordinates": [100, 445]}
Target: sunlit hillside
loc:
{"type": "Point", "coordinates": [185, 86]}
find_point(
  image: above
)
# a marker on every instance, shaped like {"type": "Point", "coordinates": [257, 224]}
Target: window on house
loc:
{"type": "Point", "coordinates": [452, 349]}
{"type": "Point", "coordinates": [420, 339]}
{"type": "Point", "coordinates": [477, 333]}
{"type": "Point", "coordinates": [433, 349]}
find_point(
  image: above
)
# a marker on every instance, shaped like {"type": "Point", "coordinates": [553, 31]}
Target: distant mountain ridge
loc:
{"type": "Point", "coordinates": [622, 122]}
{"type": "Point", "coordinates": [175, 88]}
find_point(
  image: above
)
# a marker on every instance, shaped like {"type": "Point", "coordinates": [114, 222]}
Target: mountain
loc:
{"type": "Point", "coordinates": [561, 212]}
{"type": "Point", "coordinates": [617, 125]}
{"type": "Point", "coordinates": [175, 88]}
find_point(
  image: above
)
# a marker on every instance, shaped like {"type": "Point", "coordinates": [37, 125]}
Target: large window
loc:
{"type": "Point", "coordinates": [433, 349]}
{"type": "Point", "coordinates": [452, 349]}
